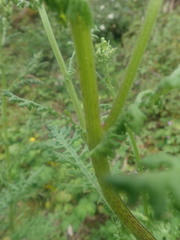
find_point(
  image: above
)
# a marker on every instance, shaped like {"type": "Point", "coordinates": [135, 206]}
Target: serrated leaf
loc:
{"type": "Point", "coordinates": [171, 82]}
{"type": "Point", "coordinates": [135, 118]}
{"type": "Point", "coordinates": [160, 185]}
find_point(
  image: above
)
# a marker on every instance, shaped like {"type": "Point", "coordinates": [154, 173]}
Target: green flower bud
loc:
{"type": "Point", "coordinates": [74, 10]}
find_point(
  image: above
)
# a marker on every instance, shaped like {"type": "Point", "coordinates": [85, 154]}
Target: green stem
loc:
{"type": "Point", "coordinates": [139, 167]}
{"type": "Point", "coordinates": [11, 216]}
{"type": "Point", "coordinates": [85, 58]}
{"type": "Point", "coordinates": [132, 224]}
{"type": "Point", "coordinates": [135, 60]}
{"type": "Point", "coordinates": [135, 148]}
{"type": "Point", "coordinates": [62, 65]}
{"type": "Point", "coordinates": [5, 122]}
{"type": "Point", "coordinates": [4, 117]}
{"type": "Point", "coordinates": [4, 100]}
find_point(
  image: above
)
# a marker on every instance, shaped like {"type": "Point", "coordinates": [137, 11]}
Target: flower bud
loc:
{"type": "Point", "coordinates": [75, 10]}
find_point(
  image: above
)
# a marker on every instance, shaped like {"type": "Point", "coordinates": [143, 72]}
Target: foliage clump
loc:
{"type": "Point", "coordinates": [42, 170]}
{"type": "Point", "coordinates": [161, 182]}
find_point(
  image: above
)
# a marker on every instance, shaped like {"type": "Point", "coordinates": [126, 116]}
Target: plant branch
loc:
{"type": "Point", "coordinates": [135, 60]}
{"type": "Point", "coordinates": [85, 58]}
{"type": "Point", "coordinates": [62, 65]}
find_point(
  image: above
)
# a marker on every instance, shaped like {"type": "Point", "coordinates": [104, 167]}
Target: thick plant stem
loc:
{"type": "Point", "coordinates": [135, 60]}
{"type": "Point", "coordinates": [101, 167]}
{"type": "Point", "coordinates": [85, 58]}
{"type": "Point", "coordinates": [62, 65]}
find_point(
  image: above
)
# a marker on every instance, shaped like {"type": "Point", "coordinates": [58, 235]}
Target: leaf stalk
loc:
{"type": "Point", "coordinates": [62, 65]}
{"type": "Point", "coordinates": [135, 60]}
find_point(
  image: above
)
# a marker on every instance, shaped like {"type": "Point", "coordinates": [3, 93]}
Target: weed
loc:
{"type": "Point", "coordinates": [94, 139]}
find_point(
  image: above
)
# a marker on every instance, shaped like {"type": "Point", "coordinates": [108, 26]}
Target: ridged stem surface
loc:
{"type": "Point", "coordinates": [85, 58]}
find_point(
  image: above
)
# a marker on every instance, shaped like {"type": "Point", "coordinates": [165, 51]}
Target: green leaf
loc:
{"type": "Point", "coordinates": [171, 82]}
{"type": "Point", "coordinates": [144, 97]}
{"type": "Point", "coordinates": [135, 118]}
{"type": "Point", "coordinates": [59, 5]}
{"type": "Point", "coordinates": [29, 104]}
{"type": "Point", "coordinates": [160, 184]}
{"type": "Point", "coordinates": [44, 176]}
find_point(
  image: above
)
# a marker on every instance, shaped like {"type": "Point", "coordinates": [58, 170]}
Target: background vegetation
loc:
{"type": "Point", "coordinates": [43, 195]}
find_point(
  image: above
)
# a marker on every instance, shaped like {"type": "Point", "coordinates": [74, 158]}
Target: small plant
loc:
{"type": "Point", "coordinates": [103, 137]}
{"type": "Point", "coordinates": [80, 19]}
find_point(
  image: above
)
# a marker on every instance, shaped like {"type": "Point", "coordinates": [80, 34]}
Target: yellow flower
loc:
{"type": "Point", "coordinates": [32, 139]}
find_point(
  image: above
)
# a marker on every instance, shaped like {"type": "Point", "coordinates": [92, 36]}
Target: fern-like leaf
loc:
{"type": "Point", "coordinates": [67, 146]}
{"type": "Point", "coordinates": [160, 182]}
{"type": "Point", "coordinates": [29, 104]}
